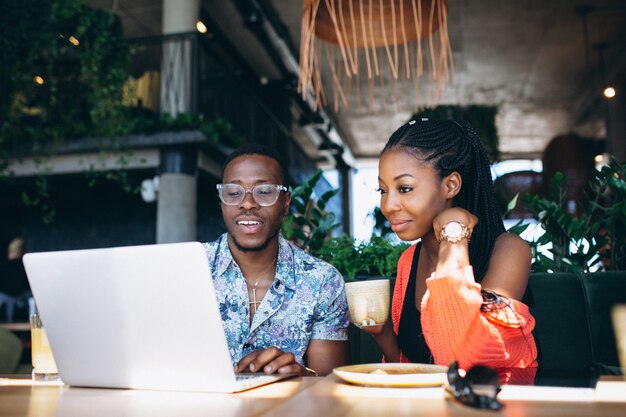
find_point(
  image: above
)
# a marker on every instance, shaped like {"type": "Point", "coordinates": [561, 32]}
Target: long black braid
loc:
{"type": "Point", "coordinates": [450, 146]}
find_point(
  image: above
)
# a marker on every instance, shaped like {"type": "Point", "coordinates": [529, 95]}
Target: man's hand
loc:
{"type": "Point", "coordinates": [269, 361]}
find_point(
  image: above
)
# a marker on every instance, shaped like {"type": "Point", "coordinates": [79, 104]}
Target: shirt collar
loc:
{"type": "Point", "coordinates": [285, 270]}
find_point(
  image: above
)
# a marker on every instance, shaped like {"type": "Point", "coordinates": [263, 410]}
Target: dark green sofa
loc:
{"type": "Point", "coordinates": [573, 323]}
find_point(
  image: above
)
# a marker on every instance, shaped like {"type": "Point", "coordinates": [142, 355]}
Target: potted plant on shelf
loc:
{"type": "Point", "coordinates": [69, 93]}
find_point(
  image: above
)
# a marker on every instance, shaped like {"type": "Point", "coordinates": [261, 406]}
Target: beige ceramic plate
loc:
{"type": "Point", "coordinates": [394, 374]}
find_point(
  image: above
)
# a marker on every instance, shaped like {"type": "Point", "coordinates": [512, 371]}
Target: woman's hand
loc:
{"type": "Point", "coordinates": [453, 255]}
{"type": "Point", "coordinates": [374, 330]}
{"type": "Point", "coordinates": [454, 214]}
{"type": "Point", "coordinates": [386, 339]}
{"type": "Point", "coordinates": [269, 361]}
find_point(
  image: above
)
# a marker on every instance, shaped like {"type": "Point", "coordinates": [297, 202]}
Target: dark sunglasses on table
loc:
{"type": "Point", "coordinates": [479, 387]}
{"type": "Point", "coordinates": [263, 194]}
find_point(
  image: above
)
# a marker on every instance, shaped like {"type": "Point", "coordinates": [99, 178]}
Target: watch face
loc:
{"type": "Point", "coordinates": [453, 229]}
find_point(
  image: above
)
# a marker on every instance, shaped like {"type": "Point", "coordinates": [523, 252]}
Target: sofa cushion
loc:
{"type": "Point", "coordinates": [557, 302]}
{"type": "Point", "coordinates": [604, 290]}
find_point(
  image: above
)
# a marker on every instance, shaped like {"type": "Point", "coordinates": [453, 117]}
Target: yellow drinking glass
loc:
{"type": "Point", "coordinates": [44, 366]}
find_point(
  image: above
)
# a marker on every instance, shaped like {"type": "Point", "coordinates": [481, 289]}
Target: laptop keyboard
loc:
{"type": "Point", "coordinates": [245, 381]}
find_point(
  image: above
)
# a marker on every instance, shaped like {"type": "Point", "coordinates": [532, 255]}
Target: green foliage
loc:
{"type": "Point", "coordinates": [217, 129]}
{"type": "Point", "coordinates": [482, 118]}
{"type": "Point", "coordinates": [381, 224]}
{"type": "Point", "coordinates": [62, 72]}
{"type": "Point", "coordinates": [81, 59]}
{"type": "Point", "coordinates": [308, 224]}
{"type": "Point", "coordinates": [378, 257]}
{"type": "Point", "coordinates": [577, 240]}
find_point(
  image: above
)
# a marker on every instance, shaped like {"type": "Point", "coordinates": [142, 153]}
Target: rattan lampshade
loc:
{"type": "Point", "coordinates": [378, 39]}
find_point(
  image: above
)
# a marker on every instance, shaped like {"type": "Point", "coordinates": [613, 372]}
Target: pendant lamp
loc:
{"type": "Point", "coordinates": [386, 41]}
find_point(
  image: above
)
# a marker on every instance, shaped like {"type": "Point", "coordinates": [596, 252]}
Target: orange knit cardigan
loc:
{"type": "Point", "coordinates": [455, 327]}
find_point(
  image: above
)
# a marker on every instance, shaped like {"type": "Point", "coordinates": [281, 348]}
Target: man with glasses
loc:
{"type": "Point", "coordinates": [283, 310]}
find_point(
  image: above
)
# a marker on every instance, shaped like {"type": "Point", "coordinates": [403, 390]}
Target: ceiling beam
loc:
{"type": "Point", "coordinates": [273, 40]}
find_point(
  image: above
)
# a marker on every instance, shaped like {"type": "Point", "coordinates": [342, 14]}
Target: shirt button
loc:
{"type": "Point", "coordinates": [246, 346]}
{"type": "Point", "coordinates": [243, 303]}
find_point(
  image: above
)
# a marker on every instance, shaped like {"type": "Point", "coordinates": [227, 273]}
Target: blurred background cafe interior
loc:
{"type": "Point", "coordinates": [116, 116]}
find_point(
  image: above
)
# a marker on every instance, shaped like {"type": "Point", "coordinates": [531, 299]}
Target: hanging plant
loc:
{"type": "Point", "coordinates": [482, 118]}
{"type": "Point", "coordinates": [62, 71]}
{"type": "Point", "coordinates": [62, 75]}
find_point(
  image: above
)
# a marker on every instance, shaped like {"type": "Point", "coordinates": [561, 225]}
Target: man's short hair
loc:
{"type": "Point", "coordinates": [257, 149]}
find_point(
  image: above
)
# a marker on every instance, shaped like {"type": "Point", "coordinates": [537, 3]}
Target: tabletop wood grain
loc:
{"type": "Point", "coordinates": [308, 396]}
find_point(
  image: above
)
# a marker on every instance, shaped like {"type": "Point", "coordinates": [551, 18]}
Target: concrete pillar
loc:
{"type": "Point", "coordinates": [345, 180]}
{"type": "Point", "coordinates": [177, 207]}
{"type": "Point", "coordinates": [179, 16]}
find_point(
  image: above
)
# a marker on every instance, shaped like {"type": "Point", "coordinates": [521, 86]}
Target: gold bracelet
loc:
{"type": "Point", "coordinates": [313, 372]}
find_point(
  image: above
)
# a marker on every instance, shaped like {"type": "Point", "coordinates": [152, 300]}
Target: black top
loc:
{"type": "Point", "coordinates": [410, 337]}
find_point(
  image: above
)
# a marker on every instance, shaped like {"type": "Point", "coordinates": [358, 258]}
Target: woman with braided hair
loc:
{"type": "Point", "coordinates": [458, 290]}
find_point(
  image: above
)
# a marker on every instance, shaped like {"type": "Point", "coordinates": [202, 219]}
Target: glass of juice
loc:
{"type": "Point", "coordinates": [44, 366]}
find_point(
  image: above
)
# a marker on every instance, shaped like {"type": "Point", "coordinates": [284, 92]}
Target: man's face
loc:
{"type": "Point", "coordinates": [250, 226]}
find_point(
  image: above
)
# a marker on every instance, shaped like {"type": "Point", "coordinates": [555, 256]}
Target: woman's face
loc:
{"type": "Point", "coordinates": [411, 194]}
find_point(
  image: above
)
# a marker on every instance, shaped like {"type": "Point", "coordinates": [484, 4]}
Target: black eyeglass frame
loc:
{"type": "Point", "coordinates": [462, 387]}
{"type": "Point", "coordinates": [251, 190]}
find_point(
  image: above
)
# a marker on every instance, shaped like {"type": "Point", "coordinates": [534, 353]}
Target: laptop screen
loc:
{"type": "Point", "coordinates": [133, 317]}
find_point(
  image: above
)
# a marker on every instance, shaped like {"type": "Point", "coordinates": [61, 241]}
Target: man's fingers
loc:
{"type": "Point", "coordinates": [262, 358]}
{"type": "Point", "coordinates": [244, 363]}
{"type": "Point", "coordinates": [284, 359]}
{"type": "Point", "coordinates": [291, 369]}
{"type": "Point", "coordinates": [269, 361]}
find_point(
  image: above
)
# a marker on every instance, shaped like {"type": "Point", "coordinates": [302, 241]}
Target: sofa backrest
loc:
{"type": "Point", "coordinates": [562, 331]}
{"type": "Point", "coordinates": [604, 290]}
{"type": "Point", "coordinates": [573, 324]}
{"type": "Point", "coordinates": [557, 301]}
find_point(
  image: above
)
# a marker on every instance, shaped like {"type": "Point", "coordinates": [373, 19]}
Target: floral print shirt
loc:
{"type": "Point", "coordinates": [306, 301]}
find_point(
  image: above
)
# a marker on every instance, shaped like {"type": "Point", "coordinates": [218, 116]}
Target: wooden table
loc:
{"type": "Point", "coordinates": [319, 397]}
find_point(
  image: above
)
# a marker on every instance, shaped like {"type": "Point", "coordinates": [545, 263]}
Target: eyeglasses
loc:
{"type": "Point", "coordinates": [263, 194]}
{"type": "Point", "coordinates": [479, 387]}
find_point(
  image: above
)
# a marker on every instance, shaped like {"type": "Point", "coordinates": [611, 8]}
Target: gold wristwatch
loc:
{"type": "Point", "coordinates": [454, 232]}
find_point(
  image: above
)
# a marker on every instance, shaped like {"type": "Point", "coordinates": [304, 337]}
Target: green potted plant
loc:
{"type": "Point", "coordinates": [308, 223]}
{"type": "Point", "coordinates": [581, 243]}
{"type": "Point", "coordinates": [310, 227]}
{"type": "Point", "coordinates": [362, 260]}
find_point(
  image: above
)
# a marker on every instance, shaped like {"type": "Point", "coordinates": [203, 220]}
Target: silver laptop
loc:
{"type": "Point", "coordinates": [135, 317]}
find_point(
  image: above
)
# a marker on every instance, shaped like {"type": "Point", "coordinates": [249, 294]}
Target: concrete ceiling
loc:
{"type": "Point", "coordinates": [528, 57]}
